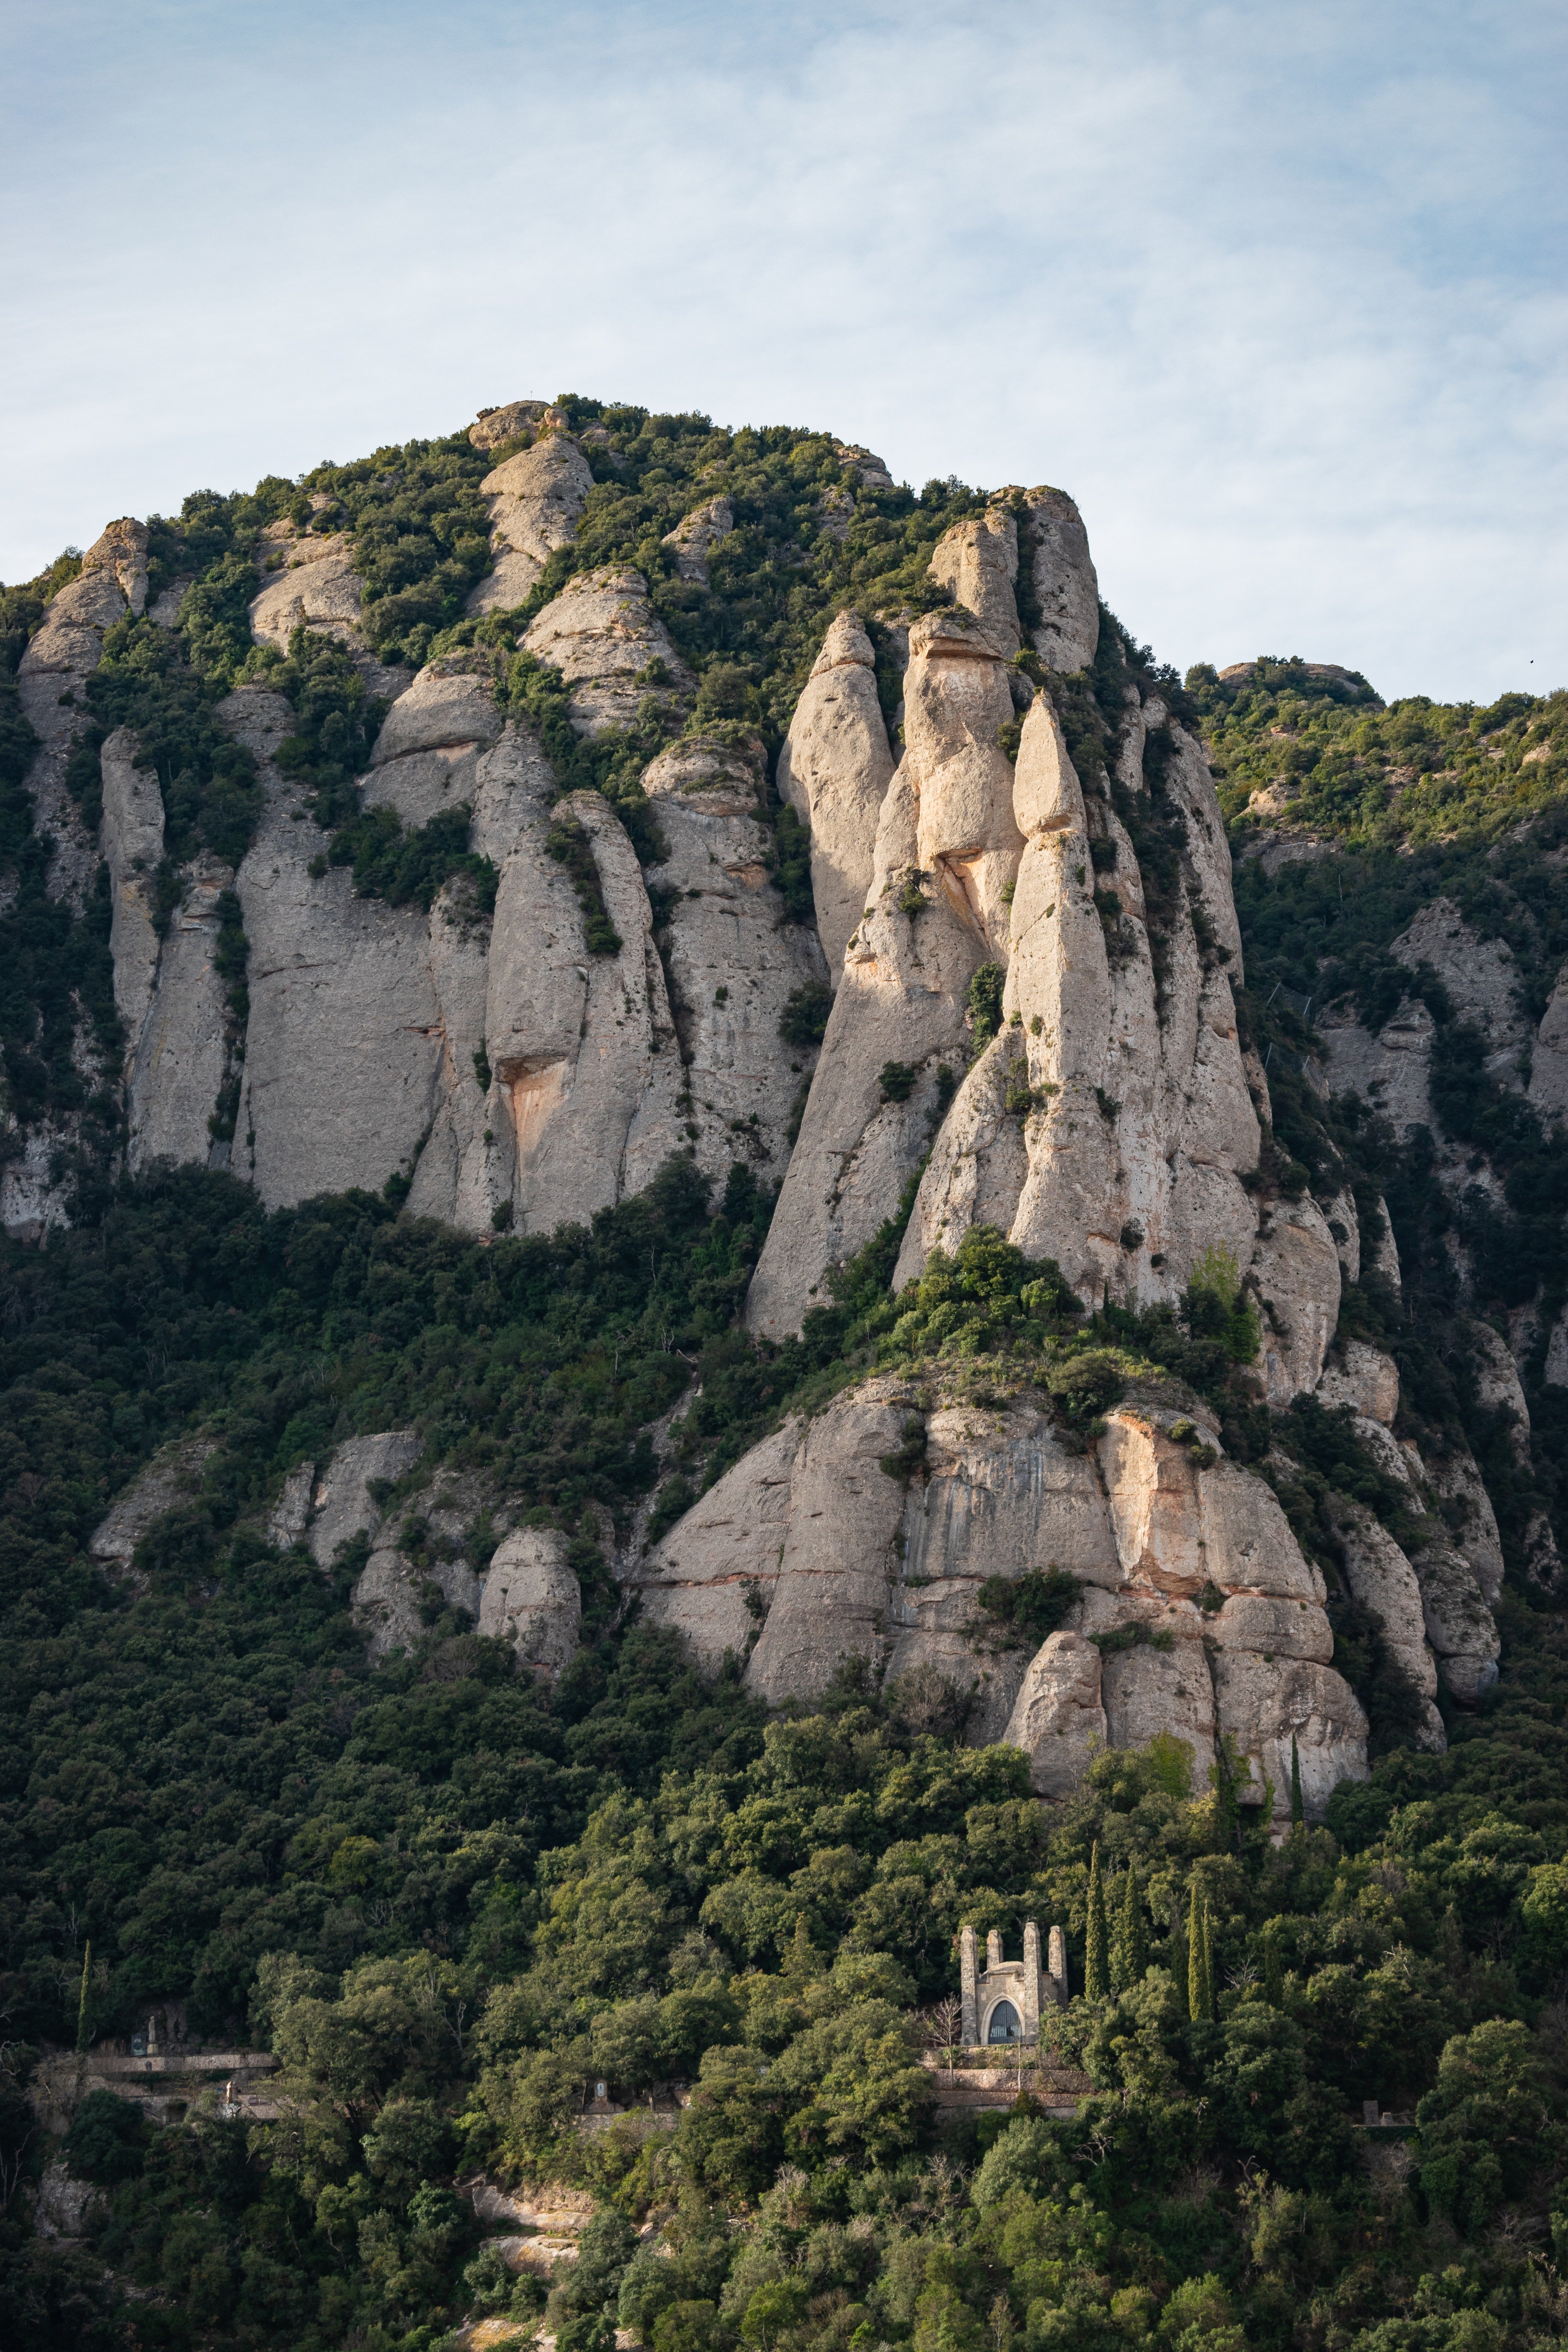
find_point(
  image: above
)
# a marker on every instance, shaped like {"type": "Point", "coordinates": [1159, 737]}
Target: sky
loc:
{"type": "Point", "coordinates": [1275, 291]}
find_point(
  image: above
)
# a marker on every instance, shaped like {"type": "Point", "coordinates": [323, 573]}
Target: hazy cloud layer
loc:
{"type": "Point", "coordinates": [1275, 292]}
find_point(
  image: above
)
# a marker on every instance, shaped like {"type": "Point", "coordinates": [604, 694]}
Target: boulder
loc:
{"type": "Point", "coordinates": [976, 560]}
{"type": "Point", "coordinates": [507, 423]}
{"type": "Point", "coordinates": [869, 468]}
{"type": "Point", "coordinates": [1363, 1378]}
{"type": "Point", "coordinates": [51, 673]}
{"type": "Point", "coordinates": [392, 1594]}
{"type": "Point", "coordinates": [1457, 1622]}
{"type": "Point", "coordinates": [1066, 593]}
{"type": "Point", "coordinates": [1059, 1719]}
{"type": "Point", "coordinates": [696, 536]}
{"type": "Point", "coordinates": [716, 1569]}
{"type": "Point", "coordinates": [466, 1168]}
{"type": "Point", "coordinates": [731, 959]}
{"type": "Point", "coordinates": [1265, 1707]}
{"type": "Point", "coordinates": [611, 647]}
{"type": "Point", "coordinates": [529, 1597]}
{"type": "Point", "coordinates": [536, 500]}
{"type": "Point", "coordinates": [1498, 1391]}
{"type": "Point", "coordinates": [290, 1514]}
{"type": "Point", "coordinates": [1390, 1070]}
{"type": "Point", "coordinates": [833, 769]}
{"type": "Point", "coordinates": [1148, 1692]}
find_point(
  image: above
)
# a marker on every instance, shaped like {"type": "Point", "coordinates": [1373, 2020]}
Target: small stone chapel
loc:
{"type": "Point", "coordinates": [1002, 2000]}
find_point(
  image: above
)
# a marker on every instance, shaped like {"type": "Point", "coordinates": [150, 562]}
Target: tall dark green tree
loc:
{"type": "Point", "coordinates": [1128, 1944]}
{"type": "Point", "coordinates": [1095, 1972]}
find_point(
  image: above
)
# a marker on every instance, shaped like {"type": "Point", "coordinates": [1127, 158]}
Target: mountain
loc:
{"type": "Point", "coordinates": [681, 1143]}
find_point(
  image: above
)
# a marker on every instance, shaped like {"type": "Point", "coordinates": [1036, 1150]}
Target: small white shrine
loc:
{"type": "Point", "coordinates": [1002, 2001]}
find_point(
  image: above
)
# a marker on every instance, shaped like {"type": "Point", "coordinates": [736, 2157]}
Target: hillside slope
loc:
{"type": "Point", "coordinates": [650, 1081]}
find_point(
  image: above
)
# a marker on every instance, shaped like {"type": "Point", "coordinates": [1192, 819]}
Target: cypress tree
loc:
{"type": "Point", "coordinates": [1095, 1981]}
{"type": "Point", "coordinates": [1197, 1975]}
{"type": "Point", "coordinates": [1177, 1953]}
{"type": "Point", "coordinates": [1128, 1948]}
{"type": "Point", "coordinates": [81, 2005]}
{"type": "Point", "coordinates": [1227, 1819]}
{"type": "Point", "coordinates": [1297, 1810]}
{"type": "Point", "coordinates": [1208, 1964]}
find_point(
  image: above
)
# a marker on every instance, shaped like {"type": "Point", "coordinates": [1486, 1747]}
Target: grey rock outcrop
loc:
{"type": "Point", "coordinates": [314, 586]}
{"type": "Point", "coordinates": [1384, 1583]}
{"type": "Point", "coordinates": [799, 1538]}
{"type": "Point", "coordinates": [1499, 1393]}
{"type": "Point", "coordinates": [536, 500]}
{"type": "Point", "coordinates": [833, 769]}
{"type": "Point", "coordinates": [1110, 1123]}
{"type": "Point", "coordinates": [582, 1047]}
{"type": "Point", "coordinates": [696, 536]}
{"type": "Point", "coordinates": [945, 854]}
{"type": "Point", "coordinates": [1467, 1507]}
{"type": "Point", "coordinates": [132, 839]}
{"type": "Point", "coordinates": [611, 647]}
{"type": "Point", "coordinates": [1067, 592]}
{"type": "Point", "coordinates": [171, 1478]}
{"type": "Point", "coordinates": [1058, 1718]}
{"type": "Point", "coordinates": [529, 1598]}
{"type": "Point", "coordinates": [342, 1506]}
{"type": "Point", "coordinates": [1549, 1057]}
{"type": "Point", "coordinates": [55, 666]}
{"type": "Point", "coordinates": [183, 1053]}
{"type": "Point", "coordinates": [733, 960]}
{"type": "Point", "coordinates": [167, 990]}
{"type": "Point", "coordinates": [343, 1041]}
{"type": "Point", "coordinates": [1363, 1378]}
{"type": "Point", "coordinates": [977, 561]}
{"type": "Point", "coordinates": [815, 1538]}
{"type": "Point", "coordinates": [517, 417]}
{"type": "Point", "coordinates": [428, 753]}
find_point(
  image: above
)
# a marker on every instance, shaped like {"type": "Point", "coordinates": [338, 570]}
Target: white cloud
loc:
{"type": "Point", "coordinates": [1268, 290]}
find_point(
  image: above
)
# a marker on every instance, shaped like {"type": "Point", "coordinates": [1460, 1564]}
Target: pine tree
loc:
{"type": "Point", "coordinates": [1197, 1971]}
{"type": "Point", "coordinates": [1297, 1810]}
{"type": "Point", "coordinates": [1129, 1945]}
{"type": "Point", "coordinates": [1095, 1981]}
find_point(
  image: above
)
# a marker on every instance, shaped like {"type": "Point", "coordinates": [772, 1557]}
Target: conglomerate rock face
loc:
{"type": "Point", "coordinates": [1022, 1016]}
{"type": "Point", "coordinates": [814, 1549]}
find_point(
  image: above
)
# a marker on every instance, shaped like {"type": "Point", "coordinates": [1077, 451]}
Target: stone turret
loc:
{"type": "Point", "coordinates": [1002, 2002]}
